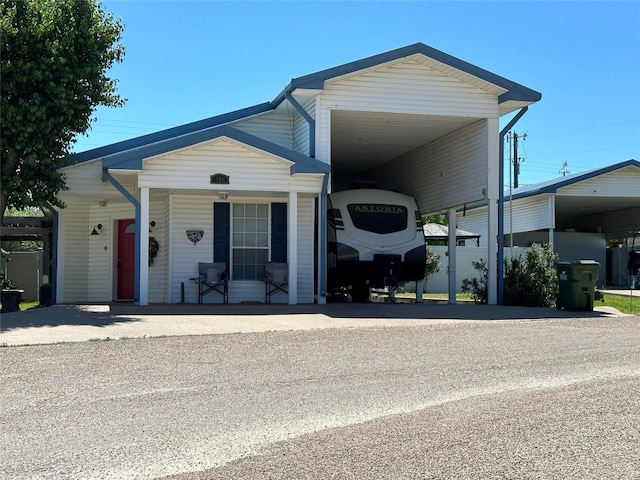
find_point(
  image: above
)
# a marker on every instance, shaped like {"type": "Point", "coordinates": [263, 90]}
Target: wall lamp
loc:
{"type": "Point", "coordinates": [95, 229]}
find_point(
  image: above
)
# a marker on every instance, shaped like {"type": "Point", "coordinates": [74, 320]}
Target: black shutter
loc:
{"type": "Point", "coordinates": [221, 232]}
{"type": "Point", "coordinates": [279, 232]}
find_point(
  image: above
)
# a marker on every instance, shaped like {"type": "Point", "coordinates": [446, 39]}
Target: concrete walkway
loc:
{"type": "Point", "coordinates": [77, 323]}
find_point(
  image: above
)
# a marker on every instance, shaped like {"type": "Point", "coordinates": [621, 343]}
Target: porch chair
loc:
{"type": "Point", "coordinates": [212, 277]}
{"type": "Point", "coordinates": [276, 279]}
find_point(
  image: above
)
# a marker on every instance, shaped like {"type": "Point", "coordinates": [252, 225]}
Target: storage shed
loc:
{"type": "Point", "coordinates": [254, 181]}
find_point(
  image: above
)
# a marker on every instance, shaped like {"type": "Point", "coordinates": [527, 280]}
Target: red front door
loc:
{"type": "Point", "coordinates": [126, 258]}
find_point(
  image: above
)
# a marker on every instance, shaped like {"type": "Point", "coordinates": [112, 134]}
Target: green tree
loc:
{"type": "Point", "coordinates": [55, 58]}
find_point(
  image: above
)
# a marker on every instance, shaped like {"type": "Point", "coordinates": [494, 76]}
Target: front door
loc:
{"type": "Point", "coordinates": [126, 258]}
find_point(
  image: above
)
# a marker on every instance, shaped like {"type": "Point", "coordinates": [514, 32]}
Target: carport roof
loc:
{"type": "Point", "coordinates": [514, 94]}
{"type": "Point", "coordinates": [552, 186]}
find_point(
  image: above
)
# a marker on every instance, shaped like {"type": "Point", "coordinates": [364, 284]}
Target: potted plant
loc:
{"type": "Point", "coordinates": [11, 296]}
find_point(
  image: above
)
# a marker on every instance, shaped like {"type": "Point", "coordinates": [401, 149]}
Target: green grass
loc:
{"type": "Point", "coordinates": [28, 305]}
{"type": "Point", "coordinates": [620, 303]}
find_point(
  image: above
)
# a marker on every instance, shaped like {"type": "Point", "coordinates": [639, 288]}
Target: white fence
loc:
{"type": "Point", "coordinates": [439, 282]}
{"type": "Point", "coordinates": [25, 270]}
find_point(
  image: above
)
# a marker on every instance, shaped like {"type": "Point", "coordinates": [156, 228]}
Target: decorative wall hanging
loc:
{"type": "Point", "coordinates": [153, 249]}
{"type": "Point", "coordinates": [195, 235]}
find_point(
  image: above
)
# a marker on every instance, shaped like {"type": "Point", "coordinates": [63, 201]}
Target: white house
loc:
{"type": "Point", "coordinates": [255, 181]}
{"type": "Point", "coordinates": [576, 213]}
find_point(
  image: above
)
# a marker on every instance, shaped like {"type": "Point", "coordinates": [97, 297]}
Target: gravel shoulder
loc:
{"type": "Point", "coordinates": [432, 399]}
{"type": "Point", "coordinates": [583, 430]}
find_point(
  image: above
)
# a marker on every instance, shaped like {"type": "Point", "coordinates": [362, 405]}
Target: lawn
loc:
{"type": "Point", "coordinates": [621, 303]}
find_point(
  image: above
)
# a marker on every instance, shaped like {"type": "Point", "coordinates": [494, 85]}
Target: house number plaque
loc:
{"type": "Point", "coordinates": [219, 179]}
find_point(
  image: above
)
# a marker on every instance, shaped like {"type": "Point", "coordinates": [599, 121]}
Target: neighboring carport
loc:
{"type": "Point", "coordinates": [578, 213]}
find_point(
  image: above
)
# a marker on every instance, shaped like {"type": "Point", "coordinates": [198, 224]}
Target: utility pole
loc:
{"type": "Point", "coordinates": [516, 164]}
{"type": "Point", "coordinates": [564, 170]}
{"type": "Point", "coordinates": [516, 160]}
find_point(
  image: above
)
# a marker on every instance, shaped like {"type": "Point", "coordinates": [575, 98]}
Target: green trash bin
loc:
{"type": "Point", "coordinates": [577, 284]}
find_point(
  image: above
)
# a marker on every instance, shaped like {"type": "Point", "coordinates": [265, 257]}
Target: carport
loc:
{"type": "Point", "coordinates": [578, 214]}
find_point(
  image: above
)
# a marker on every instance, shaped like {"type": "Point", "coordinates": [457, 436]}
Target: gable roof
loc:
{"type": "Point", "coordinates": [514, 92]}
{"type": "Point", "coordinates": [132, 159]}
{"type": "Point", "coordinates": [552, 186]}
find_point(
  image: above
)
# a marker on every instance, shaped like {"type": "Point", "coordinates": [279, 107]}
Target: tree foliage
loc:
{"type": "Point", "coordinates": [55, 58]}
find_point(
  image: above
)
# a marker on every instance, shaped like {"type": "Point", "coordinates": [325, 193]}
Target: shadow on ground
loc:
{"type": "Point", "coordinates": [108, 314]}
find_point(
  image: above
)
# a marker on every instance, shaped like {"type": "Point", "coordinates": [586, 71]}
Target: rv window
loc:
{"type": "Point", "coordinates": [378, 218]}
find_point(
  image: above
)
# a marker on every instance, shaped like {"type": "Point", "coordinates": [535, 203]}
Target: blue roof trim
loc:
{"type": "Point", "coordinates": [169, 133]}
{"type": "Point", "coordinates": [132, 159]}
{"type": "Point", "coordinates": [552, 186]}
{"type": "Point", "coordinates": [516, 92]}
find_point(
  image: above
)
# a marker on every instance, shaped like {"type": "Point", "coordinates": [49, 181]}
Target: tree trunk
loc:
{"type": "Point", "coordinates": [11, 159]}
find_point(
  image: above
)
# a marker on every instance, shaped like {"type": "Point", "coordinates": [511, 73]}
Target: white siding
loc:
{"type": "Point", "coordinates": [248, 170]}
{"type": "Point", "coordinates": [445, 173]}
{"type": "Point", "coordinates": [475, 221]}
{"type": "Point", "coordinates": [86, 179]}
{"type": "Point", "coordinates": [306, 242]}
{"type": "Point", "coordinates": [190, 212]}
{"type": "Point", "coordinates": [276, 128]}
{"type": "Point", "coordinates": [620, 183]}
{"type": "Point", "coordinates": [196, 212]}
{"type": "Point", "coordinates": [76, 247]}
{"type": "Point", "coordinates": [157, 270]}
{"type": "Point", "coordinates": [410, 87]}
{"type": "Point", "coordinates": [529, 214]}
{"type": "Point", "coordinates": [101, 253]}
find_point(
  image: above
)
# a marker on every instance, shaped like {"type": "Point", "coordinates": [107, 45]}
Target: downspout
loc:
{"type": "Point", "coordinates": [136, 285]}
{"type": "Point", "coordinates": [503, 132]}
{"type": "Point", "coordinates": [54, 254]}
{"type": "Point", "coordinates": [310, 121]}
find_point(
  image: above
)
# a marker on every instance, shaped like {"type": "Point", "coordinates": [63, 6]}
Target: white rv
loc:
{"type": "Point", "coordinates": [375, 240]}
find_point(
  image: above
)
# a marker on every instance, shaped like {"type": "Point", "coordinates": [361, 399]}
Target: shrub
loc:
{"type": "Point", "coordinates": [478, 287]}
{"type": "Point", "coordinates": [532, 281]}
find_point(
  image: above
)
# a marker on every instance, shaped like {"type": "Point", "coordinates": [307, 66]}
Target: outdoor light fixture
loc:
{"type": "Point", "coordinates": [95, 229]}
{"type": "Point", "coordinates": [103, 202]}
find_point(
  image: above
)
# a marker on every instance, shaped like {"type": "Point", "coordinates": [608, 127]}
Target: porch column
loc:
{"type": "Point", "coordinates": [293, 248]}
{"type": "Point", "coordinates": [144, 245]}
{"type": "Point", "coordinates": [452, 255]}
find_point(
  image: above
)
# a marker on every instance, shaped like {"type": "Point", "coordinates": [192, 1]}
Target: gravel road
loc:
{"type": "Point", "coordinates": [477, 399]}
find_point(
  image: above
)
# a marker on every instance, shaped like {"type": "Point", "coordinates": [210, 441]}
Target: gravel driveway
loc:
{"type": "Point", "coordinates": [478, 399]}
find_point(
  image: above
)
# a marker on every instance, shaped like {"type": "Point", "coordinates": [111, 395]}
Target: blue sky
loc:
{"type": "Point", "coordinates": [190, 60]}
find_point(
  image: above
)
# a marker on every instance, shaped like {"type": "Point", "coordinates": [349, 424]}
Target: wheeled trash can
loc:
{"type": "Point", "coordinates": [577, 284]}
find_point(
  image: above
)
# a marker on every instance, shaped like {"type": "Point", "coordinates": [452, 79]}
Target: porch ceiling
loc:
{"type": "Point", "coordinates": [363, 140]}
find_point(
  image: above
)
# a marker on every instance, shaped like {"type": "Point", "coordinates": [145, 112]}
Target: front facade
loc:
{"type": "Point", "coordinates": [254, 182]}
